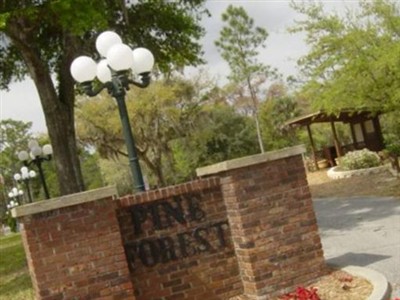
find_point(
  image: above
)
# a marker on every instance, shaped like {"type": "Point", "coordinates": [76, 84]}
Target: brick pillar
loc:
{"type": "Point", "coordinates": [272, 220]}
{"type": "Point", "coordinates": [74, 247]}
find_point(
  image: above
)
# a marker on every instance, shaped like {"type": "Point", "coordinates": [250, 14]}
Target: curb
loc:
{"type": "Point", "coordinates": [381, 287]}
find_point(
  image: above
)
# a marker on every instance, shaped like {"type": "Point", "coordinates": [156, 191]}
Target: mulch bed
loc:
{"type": "Point", "coordinates": [338, 285]}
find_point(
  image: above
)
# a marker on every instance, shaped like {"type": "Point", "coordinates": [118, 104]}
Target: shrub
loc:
{"type": "Point", "coordinates": [392, 143]}
{"type": "Point", "coordinates": [360, 159]}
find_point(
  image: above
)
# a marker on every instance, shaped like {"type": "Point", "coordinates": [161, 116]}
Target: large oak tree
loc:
{"type": "Point", "coordinates": [41, 38]}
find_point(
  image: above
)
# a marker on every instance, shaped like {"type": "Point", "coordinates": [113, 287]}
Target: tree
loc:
{"type": "Point", "coordinates": [353, 59]}
{"type": "Point", "coordinates": [41, 38]}
{"type": "Point", "coordinates": [179, 125]}
{"type": "Point", "coordinates": [239, 43]}
{"type": "Point", "coordinates": [163, 112]}
{"type": "Point", "coordinates": [278, 108]}
{"type": "Point", "coordinates": [220, 134]}
{"type": "Point", "coordinates": [14, 137]}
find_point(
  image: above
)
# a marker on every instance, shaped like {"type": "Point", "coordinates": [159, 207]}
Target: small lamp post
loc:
{"type": "Point", "coordinates": [114, 73]}
{"type": "Point", "coordinates": [38, 155]}
{"type": "Point", "coordinates": [25, 176]}
{"type": "Point", "coordinates": [15, 195]}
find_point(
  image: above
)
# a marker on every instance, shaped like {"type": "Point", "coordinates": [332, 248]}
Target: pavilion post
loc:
{"type": "Point", "coordinates": [353, 136]}
{"type": "Point", "coordinates": [336, 140]}
{"type": "Point", "coordinates": [312, 146]}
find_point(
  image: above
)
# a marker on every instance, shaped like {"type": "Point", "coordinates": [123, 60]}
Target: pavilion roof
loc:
{"type": "Point", "coordinates": [344, 115]}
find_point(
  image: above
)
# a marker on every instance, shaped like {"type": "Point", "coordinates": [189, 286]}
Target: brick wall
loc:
{"type": "Point", "coordinates": [272, 221]}
{"type": "Point", "coordinates": [188, 255]}
{"type": "Point", "coordinates": [76, 252]}
{"type": "Point", "coordinates": [245, 230]}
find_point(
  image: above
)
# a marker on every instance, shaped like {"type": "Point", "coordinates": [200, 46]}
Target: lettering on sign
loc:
{"type": "Point", "coordinates": [157, 216]}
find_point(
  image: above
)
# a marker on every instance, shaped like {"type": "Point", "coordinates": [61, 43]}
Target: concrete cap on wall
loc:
{"type": "Point", "coordinates": [63, 201]}
{"type": "Point", "coordinates": [250, 160]}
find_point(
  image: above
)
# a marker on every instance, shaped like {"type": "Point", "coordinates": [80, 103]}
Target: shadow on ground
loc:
{"type": "Point", "coordinates": [357, 259]}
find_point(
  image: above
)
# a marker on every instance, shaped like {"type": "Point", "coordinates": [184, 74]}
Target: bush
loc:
{"type": "Point", "coordinates": [393, 145]}
{"type": "Point", "coordinates": [360, 159]}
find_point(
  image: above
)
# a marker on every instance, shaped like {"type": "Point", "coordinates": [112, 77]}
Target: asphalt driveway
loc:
{"type": "Point", "coordinates": [362, 231]}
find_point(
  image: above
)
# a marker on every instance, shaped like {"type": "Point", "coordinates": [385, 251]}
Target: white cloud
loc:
{"type": "Point", "coordinates": [22, 103]}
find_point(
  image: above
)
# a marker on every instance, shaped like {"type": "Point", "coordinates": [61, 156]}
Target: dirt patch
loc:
{"type": "Point", "coordinates": [383, 184]}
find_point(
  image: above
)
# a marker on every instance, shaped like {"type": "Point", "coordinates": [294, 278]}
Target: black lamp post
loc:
{"type": "Point", "coordinates": [38, 155]}
{"type": "Point", "coordinates": [114, 74]}
{"type": "Point", "coordinates": [26, 176]}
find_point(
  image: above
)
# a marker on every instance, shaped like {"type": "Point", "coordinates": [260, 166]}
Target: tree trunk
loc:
{"type": "Point", "coordinates": [255, 109]}
{"type": "Point", "coordinates": [58, 108]}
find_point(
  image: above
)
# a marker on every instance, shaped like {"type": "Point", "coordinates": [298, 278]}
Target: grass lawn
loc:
{"type": "Point", "coordinates": [15, 282]}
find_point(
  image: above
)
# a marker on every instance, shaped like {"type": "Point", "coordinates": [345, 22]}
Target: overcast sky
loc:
{"type": "Point", "coordinates": [282, 51]}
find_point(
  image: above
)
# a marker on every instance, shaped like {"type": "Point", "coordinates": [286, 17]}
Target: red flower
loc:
{"type": "Point", "coordinates": [302, 293]}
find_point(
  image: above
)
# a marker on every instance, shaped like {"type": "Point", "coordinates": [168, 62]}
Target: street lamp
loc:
{"type": "Point", "coordinates": [38, 155]}
{"type": "Point", "coordinates": [15, 194]}
{"type": "Point", "coordinates": [25, 176]}
{"type": "Point", "coordinates": [114, 73]}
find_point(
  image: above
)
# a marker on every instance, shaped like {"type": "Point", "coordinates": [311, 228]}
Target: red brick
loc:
{"type": "Point", "coordinates": [272, 243]}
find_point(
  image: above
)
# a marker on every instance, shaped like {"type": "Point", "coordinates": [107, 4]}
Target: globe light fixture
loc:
{"type": "Point", "coordinates": [15, 194]}
{"type": "Point", "coordinates": [106, 40]}
{"type": "Point", "coordinates": [115, 72]}
{"type": "Point", "coordinates": [37, 155]}
{"type": "Point", "coordinates": [83, 69]}
{"type": "Point", "coordinates": [143, 60]}
{"type": "Point", "coordinates": [25, 176]}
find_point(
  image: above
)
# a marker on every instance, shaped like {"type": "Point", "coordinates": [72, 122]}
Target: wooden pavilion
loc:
{"type": "Point", "coordinates": [364, 126]}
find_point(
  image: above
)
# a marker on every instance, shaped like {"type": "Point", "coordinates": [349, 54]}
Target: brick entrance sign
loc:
{"type": "Point", "coordinates": [246, 229]}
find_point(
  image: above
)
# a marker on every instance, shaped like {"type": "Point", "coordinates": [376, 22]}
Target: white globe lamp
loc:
{"type": "Point", "coordinates": [47, 149]}
{"type": "Point", "coordinates": [23, 155]}
{"type": "Point", "coordinates": [103, 71]}
{"type": "Point", "coordinates": [143, 60]}
{"type": "Point", "coordinates": [83, 69]}
{"type": "Point", "coordinates": [119, 57]}
{"type": "Point", "coordinates": [106, 40]}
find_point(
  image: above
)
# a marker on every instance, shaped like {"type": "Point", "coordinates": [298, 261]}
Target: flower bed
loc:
{"type": "Point", "coordinates": [338, 285]}
{"type": "Point", "coordinates": [338, 173]}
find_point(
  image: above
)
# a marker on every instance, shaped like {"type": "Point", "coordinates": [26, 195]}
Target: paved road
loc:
{"type": "Point", "coordinates": [362, 231]}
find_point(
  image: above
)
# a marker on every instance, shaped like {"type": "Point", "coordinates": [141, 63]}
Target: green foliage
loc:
{"type": "Point", "coordinates": [178, 126]}
{"type": "Point", "coordinates": [91, 170]}
{"type": "Point", "coordinates": [163, 112]}
{"type": "Point", "coordinates": [116, 172]}
{"type": "Point", "coordinates": [360, 159]}
{"type": "Point", "coordinates": [41, 40]}
{"type": "Point", "coordinates": [391, 131]}
{"type": "Point", "coordinates": [240, 42]}
{"type": "Point", "coordinates": [220, 134]}
{"type": "Point", "coordinates": [278, 108]}
{"type": "Point", "coordinates": [3, 20]}
{"type": "Point", "coordinates": [10, 222]}
{"type": "Point", "coordinates": [170, 30]}
{"type": "Point", "coordinates": [353, 61]}
{"type": "Point", "coordinates": [14, 276]}
{"type": "Point", "coordinates": [14, 137]}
